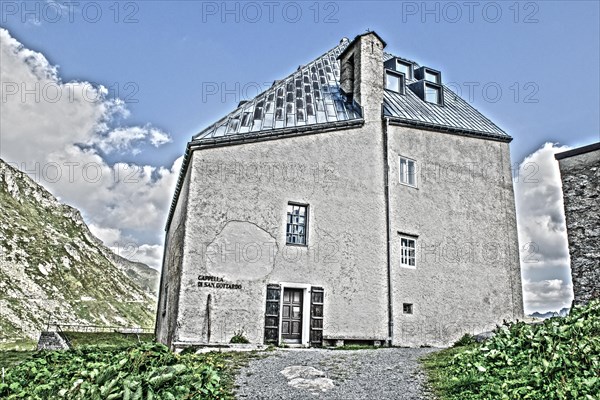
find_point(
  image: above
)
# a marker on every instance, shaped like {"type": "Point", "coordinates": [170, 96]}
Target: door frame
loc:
{"type": "Point", "coordinates": [305, 338]}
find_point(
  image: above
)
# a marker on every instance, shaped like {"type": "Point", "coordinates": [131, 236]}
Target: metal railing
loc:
{"type": "Point", "coordinates": [65, 327]}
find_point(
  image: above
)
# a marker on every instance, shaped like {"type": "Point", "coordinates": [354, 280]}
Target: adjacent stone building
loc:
{"type": "Point", "coordinates": [580, 174]}
{"type": "Point", "coordinates": [357, 200]}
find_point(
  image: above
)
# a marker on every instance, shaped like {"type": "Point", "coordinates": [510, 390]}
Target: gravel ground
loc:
{"type": "Point", "coordinates": [387, 373]}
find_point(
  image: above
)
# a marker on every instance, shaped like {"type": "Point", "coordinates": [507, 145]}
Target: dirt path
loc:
{"type": "Point", "coordinates": [334, 374]}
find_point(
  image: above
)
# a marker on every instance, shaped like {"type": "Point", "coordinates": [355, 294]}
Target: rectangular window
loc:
{"type": "Point", "coordinates": [404, 68]}
{"type": "Point", "coordinates": [407, 308]}
{"type": "Point", "coordinates": [407, 172]}
{"type": "Point", "coordinates": [432, 94]}
{"type": "Point", "coordinates": [408, 252]}
{"type": "Point", "coordinates": [433, 77]}
{"type": "Point", "coordinates": [394, 82]}
{"type": "Point", "coordinates": [297, 224]}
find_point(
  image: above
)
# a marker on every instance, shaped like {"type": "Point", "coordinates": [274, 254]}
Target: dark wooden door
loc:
{"type": "Point", "coordinates": [291, 316]}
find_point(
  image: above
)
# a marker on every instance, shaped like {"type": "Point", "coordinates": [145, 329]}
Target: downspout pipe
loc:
{"type": "Point", "coordinates": [388, 232]}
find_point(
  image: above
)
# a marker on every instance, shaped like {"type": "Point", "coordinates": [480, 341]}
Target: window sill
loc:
{"type": "Point", "coordinates": [296, 244]}
{"type": "Point", "coordinates": [408, 266]}
{"type": "Point", "coordinates": [409, 185]}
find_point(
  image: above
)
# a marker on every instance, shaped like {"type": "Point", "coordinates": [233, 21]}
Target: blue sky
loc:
{"type": "Point", "coordinates": [167, 56]}
{"type": "Point", "coordinates": [171, 69]}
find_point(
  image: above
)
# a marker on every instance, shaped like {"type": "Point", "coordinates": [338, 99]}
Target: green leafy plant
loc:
{"type": "Point", "coordinates": [556, 359]}
{"type": "Point", "coordinates": [142, 371]}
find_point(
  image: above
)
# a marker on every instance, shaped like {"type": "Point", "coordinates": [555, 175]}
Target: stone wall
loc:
{"type": "Point", "coordinates": [52, 341]}
{"type": "Point", "coordinates": [581, 191]}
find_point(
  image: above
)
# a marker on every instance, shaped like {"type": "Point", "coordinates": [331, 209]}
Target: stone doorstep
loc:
{"type": "Point", "coordinates": [333, 341]}
{"type": "Point", "coordinates": [222, 348]}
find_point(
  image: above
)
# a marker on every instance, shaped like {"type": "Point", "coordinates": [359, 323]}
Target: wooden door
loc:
{"type": "Point", "coordinates": [291, 316]}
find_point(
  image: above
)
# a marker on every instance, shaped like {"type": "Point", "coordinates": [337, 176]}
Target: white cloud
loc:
{"type": "Point", "coordinates": [107, 235]}
{"type": "Point", "coordinates": [542, 232]}
{"type": "Point", "coordinates": [158, 138]}
{"type": "Point", "coordinates": [58, 131]}
{"type": "Point", "coordinates": [546, 295]}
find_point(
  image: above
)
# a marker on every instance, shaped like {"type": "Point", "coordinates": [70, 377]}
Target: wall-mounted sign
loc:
{"type": "Point", "coordinates": [216, 282]}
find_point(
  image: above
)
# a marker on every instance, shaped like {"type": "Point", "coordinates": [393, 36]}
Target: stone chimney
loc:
{"type": "Point", "coordinates": [361, 75]}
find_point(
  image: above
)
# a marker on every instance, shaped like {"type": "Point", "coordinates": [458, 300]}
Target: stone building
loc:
{"type": "Point", "coordinates": [580, 174]}
{"type": "Point", "coordinates": [357, 200]}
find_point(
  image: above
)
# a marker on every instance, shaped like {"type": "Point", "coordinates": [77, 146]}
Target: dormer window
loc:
{"type": "Point", "coordinates": [404, 68]}
{"type": "Point", "coordinates": [394, 81]}
{"type": "Point", "coordinates": [400, 66]}
{"type": "Point", "coordinates": [427, 91]}
{"type": "Point", "coordinates": [432, 76]}
{"type": "Point", "coordinates": [429, 75]}
{"type": "Point", "coordinates": [433, 94]}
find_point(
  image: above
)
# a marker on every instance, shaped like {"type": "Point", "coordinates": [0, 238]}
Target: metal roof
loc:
{"type": "Point", "coordinates": [309, 96]}
{"type": "Point", "coordinates": [455, 115]}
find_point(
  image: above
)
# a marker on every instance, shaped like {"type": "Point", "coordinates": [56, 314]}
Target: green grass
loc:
{"type": "Point", "coordinates": [558, 359]}
{"type": "Point", "coordinates": [436, 365]}
{"type": "Point", "coordinates": [10, 358]}
{"type": "Point", "coordinates": [18, 345]}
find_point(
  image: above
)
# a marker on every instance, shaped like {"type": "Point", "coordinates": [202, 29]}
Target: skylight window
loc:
{"type": "Point", "coordinates": [394, 81]}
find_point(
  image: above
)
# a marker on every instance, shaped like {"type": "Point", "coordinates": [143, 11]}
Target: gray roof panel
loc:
{"type": "Point", "coordinates": [311, 97]}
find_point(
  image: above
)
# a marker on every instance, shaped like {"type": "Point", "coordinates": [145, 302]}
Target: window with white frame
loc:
{"type": "Point", "coordinates": [297, 224]}
{"type": "Point", "coordinates": [408, 252]}
{"type": "Point", "coordinates": [407, 171]}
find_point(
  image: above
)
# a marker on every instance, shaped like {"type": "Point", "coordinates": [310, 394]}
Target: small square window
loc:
{"type": "Point", "coordinates": [431, 76]}
{"type": "Point", "coordinates": [407, 172]}
{"type": "Point", "coordinates": [407, 308]}
{"type": "Point", "coordinates": [296, 224]}
{"type": "Point", "coordinates": [394, 82]}
{"type": "Point", "coordinates": [404, 68]}
{"type": "Point", "coordinates": [408, 250]}
{"type": "Point", "coordinates": [432, 94]}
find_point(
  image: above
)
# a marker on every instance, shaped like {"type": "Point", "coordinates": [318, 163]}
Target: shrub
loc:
{"type": "Point", "coordinates": [239, 337]}
{"type": "Point", "coordinates": [465, 340]}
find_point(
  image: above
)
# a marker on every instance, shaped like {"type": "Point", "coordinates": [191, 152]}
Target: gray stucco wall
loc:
{"type": "Point", "coordinates": [175, 250]}
{"type": "Point", "coordinates": [581, 192]}
{"type": "Point", "coordinates": [237, 210]}
{"type": "Point", "coordinates": [467, 276]}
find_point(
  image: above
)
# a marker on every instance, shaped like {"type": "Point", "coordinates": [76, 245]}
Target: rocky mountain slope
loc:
{"type": "Point", "coordinates": [52, 269]}
{"type": "Point", "coordinates": [563, 312]}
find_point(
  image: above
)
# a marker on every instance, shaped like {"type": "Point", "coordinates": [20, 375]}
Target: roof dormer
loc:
{"type": "Point", "coordinates": [429, 74]}
{"type": "Point", "coordinates": [402, 66]}
{"type": "Point", "coordinates": [428, 85]}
